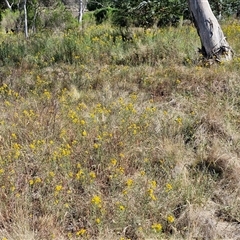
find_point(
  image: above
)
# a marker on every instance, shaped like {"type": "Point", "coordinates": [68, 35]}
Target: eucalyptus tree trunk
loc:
{"type": "Point", "coordinates": [214, 43]}
{"type": "Point", "coordinates": [80, 11]}
{"type": "Point", "coordinates": [25, 19]}
{"type": "Point", "coordinates": [81, 8]}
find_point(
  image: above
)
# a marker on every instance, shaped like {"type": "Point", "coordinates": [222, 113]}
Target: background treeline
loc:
{"type": "Point", "coordinates": [149, 13]}
{"type": "Point", "coordinates": [62, 14]}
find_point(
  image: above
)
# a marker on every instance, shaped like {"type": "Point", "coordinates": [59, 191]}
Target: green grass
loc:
{"type": "Point", "coordinates": [106, 139]}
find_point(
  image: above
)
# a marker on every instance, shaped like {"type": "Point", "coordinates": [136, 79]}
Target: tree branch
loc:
{"type": "Point", "coordinates": [8, 4]}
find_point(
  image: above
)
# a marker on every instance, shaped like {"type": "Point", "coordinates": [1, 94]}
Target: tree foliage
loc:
{"type": "Point", "coordinates": [123, 13]}
{"type": "Point", "coordinates": [227, 7]}
{"type": "Point", "coordinates": [146, 13]}
{"type": "Point", "coordinates": [40, 14]}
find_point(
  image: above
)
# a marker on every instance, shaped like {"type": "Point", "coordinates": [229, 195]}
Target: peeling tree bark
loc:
{"type": "Point", "coordinates": [214, 43]}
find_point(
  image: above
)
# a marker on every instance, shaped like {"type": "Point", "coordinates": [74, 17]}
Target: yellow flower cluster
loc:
{"type": "Point", "coordinates": [96, 201]}
{"type": "Point", "coordinates": [157, 227]}
{"type": "Point", "coordinates": [150, 191]}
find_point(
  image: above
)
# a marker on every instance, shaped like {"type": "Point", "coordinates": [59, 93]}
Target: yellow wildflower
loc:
{"type": "Point", "coordinates": [151, 194]}
{"type": "Point", "coordinates": [66, 205]}
{"type": "Point", "coordinates": [92, 174]}
{"type": "Point", "coordinates": [129, 182]}
{"type": "Point", "coordinates": [153, 184]}
{"type": "Point", "coordinates": [168, 187]}
{"type": "Point", "coordinates": [51, 174]}
{"type": "Point", "coordinates": [124, 192]}
{"type": "Point", "coordinates": [96, 145]}
{"type": "Point", "coordinates": [96, 200]}
{"type": "Point", "coordinates": [58, 188]}
{"type": "Point", "coordinates": [157, 227]}
{"type": "Point", "coordinates": [38, 180]}
{"type": "Point", "coordinates": [121, 207]}
{"type": "Point", "coordinates": [81, 232]}
{"type": "Point", "coordinates": [79, 174]}
{"type": "Point", "coordinates": [82, 122]}
{"type": "Point", "coordinates": [113, 162]}
{"type": "Point", "coordinates": [14, 136]}
{"type": "Point", "coordinates": [179, 120]}
{"type": "Point", "coordinates": [98, 220]}
{"type": "Point", "coordinates": [170, 219]}
{"type": "Point", "coordinates": [84, 133]}
{"type": "Point", "coordinates": [31, 182]}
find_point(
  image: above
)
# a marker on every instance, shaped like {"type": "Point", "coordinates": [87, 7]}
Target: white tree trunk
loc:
{"type": "Point", "coordinates": [80, 11]}
{"type": "Point", "coordinates": [25, 19]}
{"type": "Point", "coordinates": [214, 43]}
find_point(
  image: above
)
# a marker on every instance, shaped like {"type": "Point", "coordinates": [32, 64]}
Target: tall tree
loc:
{"type": "Point", "coordinates": [214, 43]}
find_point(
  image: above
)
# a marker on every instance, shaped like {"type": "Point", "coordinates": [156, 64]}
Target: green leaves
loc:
{"type": "Point", "coordinates": [147, 13]}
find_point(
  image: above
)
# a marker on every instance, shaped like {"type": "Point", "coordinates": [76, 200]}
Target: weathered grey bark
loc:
{"type": "Point", "coordinates": [214, 43]}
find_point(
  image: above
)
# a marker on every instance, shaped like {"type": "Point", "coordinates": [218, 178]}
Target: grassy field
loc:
{"type": "Point", "coordinates": [102, 138]}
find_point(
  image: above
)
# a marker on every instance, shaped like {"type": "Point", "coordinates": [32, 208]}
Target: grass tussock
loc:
{"type": "Point", "coordinates": [103, 137]}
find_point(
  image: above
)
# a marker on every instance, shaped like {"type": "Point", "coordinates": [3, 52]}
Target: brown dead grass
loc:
{"type": "Point", "coordinates": [172, 125]}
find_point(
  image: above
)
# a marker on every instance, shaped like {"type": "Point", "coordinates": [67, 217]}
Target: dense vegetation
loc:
{"type": "Point", "coordinates": [44, 14]}
{"type": "Point", "coordinates": [148, 13]}
{"type": "Point", "coordinates": [106, 137]}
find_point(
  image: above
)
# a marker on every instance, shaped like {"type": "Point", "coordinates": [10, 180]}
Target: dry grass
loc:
{"type": "Point", "coordinates": [103, 139]}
